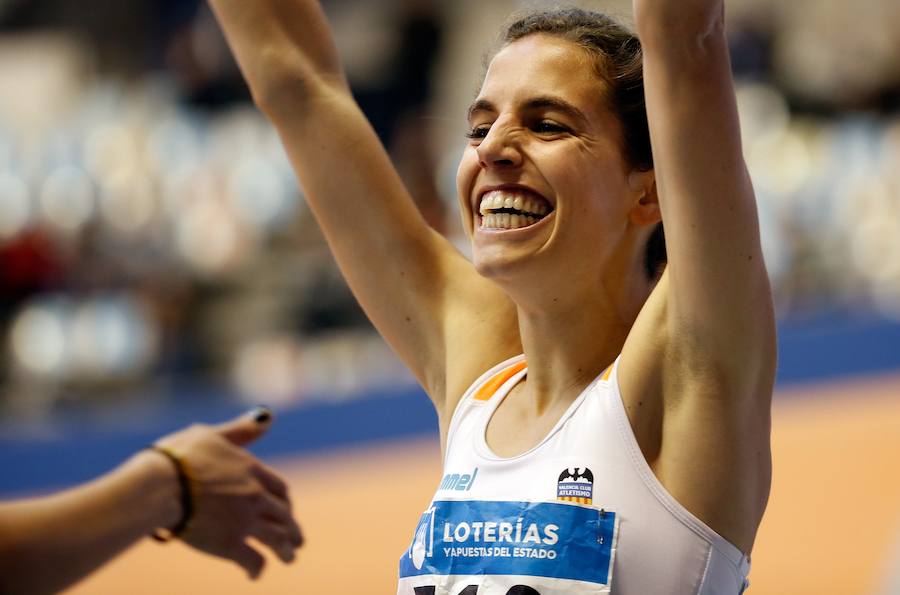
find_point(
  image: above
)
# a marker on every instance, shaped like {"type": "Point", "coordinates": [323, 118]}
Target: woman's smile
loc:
{"type": "Point", "coordinates": [511, 207]}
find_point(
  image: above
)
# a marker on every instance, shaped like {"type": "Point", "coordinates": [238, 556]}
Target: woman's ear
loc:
{"type": "Point", "coordinates": [645, 209]}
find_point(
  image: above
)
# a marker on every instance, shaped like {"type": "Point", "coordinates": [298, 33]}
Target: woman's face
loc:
{"type": "Point", "coordinates": [543, 184]}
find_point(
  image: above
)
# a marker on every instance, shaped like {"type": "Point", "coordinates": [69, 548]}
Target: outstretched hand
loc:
{"type": "Point", "coordinates": [235, 495]}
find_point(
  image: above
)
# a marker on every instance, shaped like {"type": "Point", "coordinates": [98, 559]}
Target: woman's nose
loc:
{"type": "Point", "coordinates": [499, 149]}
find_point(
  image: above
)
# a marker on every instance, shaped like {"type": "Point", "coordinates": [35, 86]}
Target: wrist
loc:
{"type": "Point", "coordinates": [186, 493]}
{"type": "Point", "coordinates": [161, 486]}
{"type": "Point", "coordinates": [681, 25]}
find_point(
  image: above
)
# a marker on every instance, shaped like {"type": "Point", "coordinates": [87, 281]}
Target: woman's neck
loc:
{"type": "Point", "coordinates": [569, 337]}
{"type": "Point", "coordinates": [566, 350]}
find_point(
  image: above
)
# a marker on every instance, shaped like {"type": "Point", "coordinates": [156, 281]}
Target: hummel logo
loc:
{"type": "Point", "coordinates": [457, 482]}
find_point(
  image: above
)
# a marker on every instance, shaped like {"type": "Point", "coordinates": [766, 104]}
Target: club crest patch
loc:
{"type": "Point", "coordinates": [575, 485]}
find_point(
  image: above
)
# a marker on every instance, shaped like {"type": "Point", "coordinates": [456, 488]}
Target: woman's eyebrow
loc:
{"type": "Point", "coordinates": [543, 102]}
{"type": "Point", "coordinates": [556, 104]}
{"type": "Point", "coordinates": [480, 105]}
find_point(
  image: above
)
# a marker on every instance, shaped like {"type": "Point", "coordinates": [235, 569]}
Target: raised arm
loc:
{"type": "Point", "coordinates": [718, 302]}
{"type": "Point", "coordinates": [705, 339]}
{"type": "Point", "coordinates": [413, 285]}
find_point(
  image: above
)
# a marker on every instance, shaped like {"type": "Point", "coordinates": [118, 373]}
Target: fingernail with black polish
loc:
{"type": "Point", "coordinates": [262, 415]}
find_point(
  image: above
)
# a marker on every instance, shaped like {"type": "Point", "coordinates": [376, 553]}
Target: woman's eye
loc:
{"type": "Point", "coordinates": [548, 127]}
{"type": "Point", "coordinates": [478, 132]}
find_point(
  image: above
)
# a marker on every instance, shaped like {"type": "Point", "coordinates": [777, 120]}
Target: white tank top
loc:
{"type": "Point", "coordinates": [581, 513]}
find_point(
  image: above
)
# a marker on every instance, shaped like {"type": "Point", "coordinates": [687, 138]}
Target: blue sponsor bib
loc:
{"type": "Point", "coordinates": [550, 540]}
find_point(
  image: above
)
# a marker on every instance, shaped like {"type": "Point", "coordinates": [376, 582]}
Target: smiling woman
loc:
{"type": "Point", "coordinates": [540, 128]}
{"type": "Point", "coordinates": [611, 418]}
{"type": "Point", "coordinates": [616, 57]}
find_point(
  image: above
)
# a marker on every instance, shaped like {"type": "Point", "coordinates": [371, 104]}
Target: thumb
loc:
{"type": "Point", "coordinates": [248, 427]}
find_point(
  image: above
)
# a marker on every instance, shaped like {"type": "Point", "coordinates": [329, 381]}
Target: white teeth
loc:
{"type": "Point", "coordinates": [532, 210]}
{"type": "Point", "coordinates": [506, 221]}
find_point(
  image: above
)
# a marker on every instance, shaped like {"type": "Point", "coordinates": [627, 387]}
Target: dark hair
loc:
{"type": "Point", "coordinates": [618, 62]}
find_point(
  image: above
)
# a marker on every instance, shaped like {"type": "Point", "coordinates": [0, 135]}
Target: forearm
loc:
{"type": "Point", "coordinates": [704, 191]}
{"type": "Point", "coordinates": [49, 543]}
{"type": "Point", "coordinates": [695, 134]}
{"type": "Point", "coordinates": [284, 48]}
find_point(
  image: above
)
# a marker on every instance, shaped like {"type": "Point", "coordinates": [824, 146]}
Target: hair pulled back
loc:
{"type": "Point", "coordinates": [618, 62]}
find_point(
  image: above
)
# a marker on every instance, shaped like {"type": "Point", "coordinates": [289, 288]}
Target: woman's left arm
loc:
{"type": "Point", "coordinates": [719, 312]}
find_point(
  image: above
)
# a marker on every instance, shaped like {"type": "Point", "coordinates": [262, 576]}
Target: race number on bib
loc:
{"type": "Point", "coordinates": [473, 547]}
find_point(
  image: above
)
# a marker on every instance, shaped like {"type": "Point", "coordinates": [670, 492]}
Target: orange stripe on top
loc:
{"type": "Point", "coordinates": [608, 372]}
{"type": "Point", "coordinates": [488, 389]}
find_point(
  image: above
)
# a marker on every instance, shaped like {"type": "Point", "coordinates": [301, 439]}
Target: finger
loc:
{"type": "Point", "coordinates": [276, 538]}
{"type": "Point", "coordinates": [248, 427]}
{"type": "Point", "coordinates": [274, 510]}
{"type": "Point", "coordinates": [270, 479]}
{"type": "Point", "coordinates": [249, 559]}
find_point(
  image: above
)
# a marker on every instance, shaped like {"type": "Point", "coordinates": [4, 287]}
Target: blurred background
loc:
{"type": "Point", "coordinates": [158, 266]}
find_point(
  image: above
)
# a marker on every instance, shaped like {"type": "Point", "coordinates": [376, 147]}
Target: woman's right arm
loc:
{"type": "Point", "coordinates": [408, 279]}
